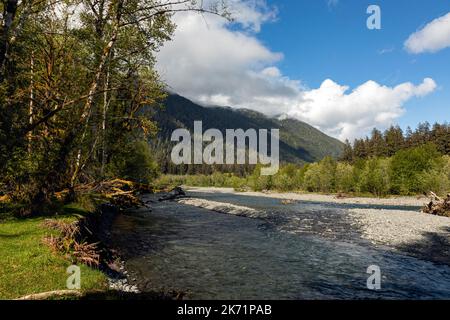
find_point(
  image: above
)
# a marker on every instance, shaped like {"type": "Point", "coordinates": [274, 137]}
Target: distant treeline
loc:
{"type": "Point", "coordinates": [387, 163]}
{"type": "Point", "coordinates": [389, 142]}
{"type": "Point", "coordinates": [410, 171]}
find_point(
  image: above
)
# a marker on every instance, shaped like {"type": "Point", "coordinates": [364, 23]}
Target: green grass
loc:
{"type": "Point", "coordinates": [29, 266]}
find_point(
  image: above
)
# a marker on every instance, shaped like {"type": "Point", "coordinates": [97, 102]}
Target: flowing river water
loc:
{"type": "Point", "coordinates": [302, 250]}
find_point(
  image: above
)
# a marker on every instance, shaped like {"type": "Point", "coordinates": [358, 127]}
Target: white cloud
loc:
{"type": "Point", "coordinates": [251, 14]}
{"type": "Point", "coordinates": [433, 37]}
{"type": "Point", "coordinates": [350, 115]}
{"type": "Point", "coordinates": [272, 72]}
{"type": "Point", "coordinates": [211, 63]}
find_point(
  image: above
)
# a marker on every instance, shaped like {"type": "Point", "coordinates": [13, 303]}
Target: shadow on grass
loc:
{"type": "Point", "coordinates": [12, 236]}
{"type": "Point", "coordinates": [7, 211]}
{"type": "Point", "coordinates": [71, 210]}
{"type": "Point", "coordinates": [434, 247]}
{"type": "Point", "coordinates": [56, 209]}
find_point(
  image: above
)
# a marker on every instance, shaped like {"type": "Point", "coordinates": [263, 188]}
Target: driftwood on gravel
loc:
{"type": "Point", "coordinates": [176, 193]}
{"type": "Point", "coordinates": [438, 206]}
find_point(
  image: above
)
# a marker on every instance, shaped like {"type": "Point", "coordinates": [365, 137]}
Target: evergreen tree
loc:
{"type": "Point", "coordinates": [347, 153]}
{"type": "Point", "coordinates": [377, 144]}
{"type": "Point", "coordinates": [394, 140]}
{"type": "Point", "coordinates": [360, 149]}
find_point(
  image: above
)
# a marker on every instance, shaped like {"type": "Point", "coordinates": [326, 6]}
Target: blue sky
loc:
{"type": "Point", "coordinates": [332, 41]}
{"type": "Point", "coordinates": [316, 61]}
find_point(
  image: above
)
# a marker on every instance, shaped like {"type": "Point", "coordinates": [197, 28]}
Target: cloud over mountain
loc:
{"type": "Point", "coordinates": [349, 115]}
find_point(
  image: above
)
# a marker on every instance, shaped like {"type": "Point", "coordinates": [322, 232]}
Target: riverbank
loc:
{"type": "Point", "coordinates": [30, 266]}
{"type": "Point", "coordinates": [39, 269]}
{"type": "Point", "coordinates": [419, 234]}
{"type": "Point", "coordinates": [221, 246]}
{"type": "Point", "coordinates": [35, 253]}
{"type": "Point", "coordinates": [422, 235]}
{"type": "Point", "coordinates": [315, 197]}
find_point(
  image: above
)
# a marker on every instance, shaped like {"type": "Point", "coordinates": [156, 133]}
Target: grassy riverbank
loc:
{"type": "Point", "coordinates": [28, 265]}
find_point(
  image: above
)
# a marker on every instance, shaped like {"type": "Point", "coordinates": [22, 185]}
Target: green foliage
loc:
{"type": "Point", "coordinates": [220, 180]}
{"type": "Point", "coordinates": [288, 178]}
{"type": "Point", "coordinates": [259, 182]}
{"type": "Point", "coordinates": [446, 166]}
{"type": "Point", "coordinates": [345, 180]}
{"type": "Point", "coordinates": [328, 174]}
{"type": "Point", "coordinates": [393, 140]}
{"type": "Point", "coordinates": [434, 180]}
{"type": "Point", "coordinates": [134, 162]}
{"type": "Point", "coordinates": [312, 178]}
{"type": "Point", "coordinates": [409, 171]}
{"type": "Point", "coordinates": [408, 165]}
{"type": "Point", "coordinates": [375, 177]}
{"type": "Point", "coordinates": [73, 97]}
{"type": "Point", "coordinates": [321, 177]}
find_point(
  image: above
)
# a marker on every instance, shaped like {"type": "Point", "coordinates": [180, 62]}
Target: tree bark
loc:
{"type": "Point", "coordinates": [8, 18]}
{"type": "Point", "coordinates": [31, 104]}
{"type": "Point", "coordinates": [94, 86]}
{"type": "Point", "coordinates": [105, 110]}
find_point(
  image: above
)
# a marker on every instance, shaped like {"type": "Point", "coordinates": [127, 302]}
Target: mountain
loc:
{"type": "Point", "coordinates": [299, 142]}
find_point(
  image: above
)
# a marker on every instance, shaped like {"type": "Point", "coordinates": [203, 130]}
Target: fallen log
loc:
{"type": "Point", "coordinates": [438, 206]}
{"type": "Point", "coordinates": [435, 196]}
{"type": "Point", "coordinates": [52, 295]}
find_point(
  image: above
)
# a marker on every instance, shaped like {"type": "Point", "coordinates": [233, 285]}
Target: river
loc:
{"type": "Point", "coordinates": [302, 250]}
